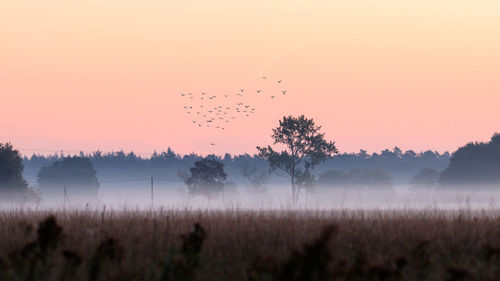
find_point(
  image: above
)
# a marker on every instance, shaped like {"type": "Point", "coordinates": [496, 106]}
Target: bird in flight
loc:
{"type": "Point", "coordinates": [212, 144]}
{"type": "Point", "coordinates": [242, 90]}
{"type": "Point", "coordinates": [279, 81]}
{"type": "Point", "coordinates": [258, 91]}
{"type": "Point", "coordinates": [284, 92]}
{"type": "Point", "coordinates": [272, 97]}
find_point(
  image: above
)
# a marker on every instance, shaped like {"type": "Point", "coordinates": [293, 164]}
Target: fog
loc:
{"type": "Point", "coordinates": [123, 196]}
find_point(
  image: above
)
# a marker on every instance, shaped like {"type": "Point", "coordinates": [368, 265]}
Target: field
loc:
{"type": "Point", "coordinates": [249, 245]}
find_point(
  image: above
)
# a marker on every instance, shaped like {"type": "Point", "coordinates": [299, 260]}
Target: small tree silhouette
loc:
{"type": "Point", "coordinates": [306, 147]}
{"type": "Point", "coordinates": [207, 178]}
{"type": "Point", "coordinates": [426, 177]}
{"type": "Point", "coordinates": [256, 177]}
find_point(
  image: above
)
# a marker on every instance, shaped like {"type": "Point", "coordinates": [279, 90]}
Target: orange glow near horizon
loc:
{"type": "Point", "coordinates": [107, 74]}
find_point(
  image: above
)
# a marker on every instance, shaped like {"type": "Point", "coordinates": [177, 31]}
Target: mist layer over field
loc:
{"type": "Point", "coordinates": [278, 197]}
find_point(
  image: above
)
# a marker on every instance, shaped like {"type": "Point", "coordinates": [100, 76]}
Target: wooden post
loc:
{"type": "Point", "coordinates": [307, 196]}
{"type": "Point", "coordinates": [66, 200]}
{"type": "Point", "coordinates": [152, 195]}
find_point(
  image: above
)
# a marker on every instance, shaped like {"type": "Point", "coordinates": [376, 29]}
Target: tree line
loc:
{"type": "Point", "coordinates": [308, 159]}
{"type": "Point", "coordinates": [401, 165]}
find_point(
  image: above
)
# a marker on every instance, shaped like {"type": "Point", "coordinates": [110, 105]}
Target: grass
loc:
{"type": "Point", "coordinates": [249, 245]}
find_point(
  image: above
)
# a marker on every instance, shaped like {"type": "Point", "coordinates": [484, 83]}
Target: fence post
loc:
{"type": "Point", "coordinates": [66, 200]}
{"type": "Point", "coordinates": [152, 194]}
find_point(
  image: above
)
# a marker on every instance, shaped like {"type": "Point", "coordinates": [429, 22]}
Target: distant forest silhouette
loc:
{"type": "Point", "coordinates": [120, 165]}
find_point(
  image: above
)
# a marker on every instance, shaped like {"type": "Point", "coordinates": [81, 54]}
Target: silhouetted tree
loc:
{"type": "Point", "coordinates": [76, 173]}
{"type": "Point", "coordinates": [333, 178]}
{"type": "Point", "coordinates": [207, 178]}
{"type": "Point", "coordinates": [362, 154]}
{"type": "Point", "coordinates": [474, 163]}
{"type": "Point", "coordinates": [13, 187]}
{"type": "Point", "coordinates": [426, 177]}
{"type": "Point", "coordinates": [255, 175]}
{"type": "Point", "coordinates": [305, 148]}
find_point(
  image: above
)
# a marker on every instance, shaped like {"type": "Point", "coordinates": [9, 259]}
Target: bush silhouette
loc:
{"type": "Point", "coordinates": [207, 178]}
{"type": "Point", "coordinates": [184, 265]}
{"type": "Point", "coordinates": [426, 177]}
{"type": "Point", "coordinates": [76, 173]}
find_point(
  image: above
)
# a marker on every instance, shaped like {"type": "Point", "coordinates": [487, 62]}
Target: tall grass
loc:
{"type": "Point", "coordinates": [249, 245]}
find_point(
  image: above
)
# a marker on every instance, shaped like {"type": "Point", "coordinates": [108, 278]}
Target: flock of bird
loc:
{"type": "Point", "coordinates": [217, 111]}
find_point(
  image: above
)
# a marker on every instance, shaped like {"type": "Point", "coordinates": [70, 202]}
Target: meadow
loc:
{"type": "Point", "coordinates": [234, 244]}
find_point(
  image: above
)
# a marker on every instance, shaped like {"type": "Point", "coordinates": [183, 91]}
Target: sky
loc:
{"type": "Point", "coordinates": [108, 74]}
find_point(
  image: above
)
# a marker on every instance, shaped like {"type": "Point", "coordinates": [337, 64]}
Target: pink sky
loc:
{"type": "Point", "coordinates": [107, 74]}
